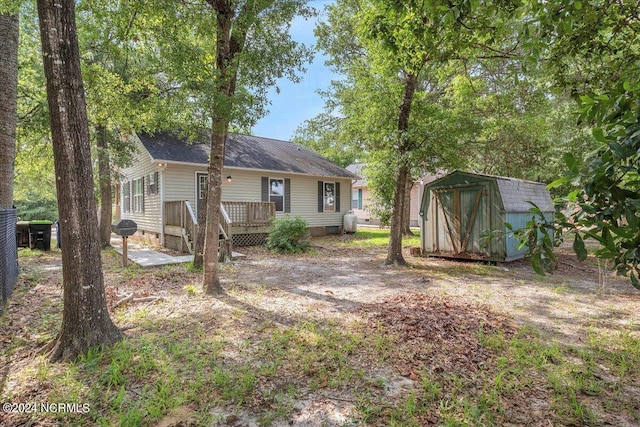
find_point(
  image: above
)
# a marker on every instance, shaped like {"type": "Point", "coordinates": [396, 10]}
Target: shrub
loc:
{"type": "Point", "coordinates": [289, 235]}
{"type": "Point", "coordinates": [35, 206]}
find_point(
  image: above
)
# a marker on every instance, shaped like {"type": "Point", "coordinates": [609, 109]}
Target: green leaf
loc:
{"type": "Point", "coordinates": [579, 248]}
{"type": "Point", "coordinates": [585, 99]}
{"type": "Point", "coordinates": [558, 182]}
{"type": "Point", "coordinates": [570, 161]}
{"type": "Point", "coordinates": [605, 253]}
{"type": "Point", "coordinates": [573, 196]}
{"type": "Point", "coordinates": [535, 263]}
{"type": "Point", "coordinates": [598, 134]}
{"type": "Point", "coordinates": [619, 150]}
{"type": "Point", "coordinates": [631, 217]}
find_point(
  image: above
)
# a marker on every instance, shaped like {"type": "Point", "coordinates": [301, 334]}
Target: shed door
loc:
{"type": "Point", "coordinates": [461, 219]}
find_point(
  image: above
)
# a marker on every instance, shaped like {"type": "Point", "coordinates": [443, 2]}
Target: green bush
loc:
{"type": "Point", "coordinates": [289, 235]}
{"type": "Point", "coordinates": [35, 206]}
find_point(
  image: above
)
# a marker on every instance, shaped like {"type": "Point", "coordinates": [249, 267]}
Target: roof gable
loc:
{"type": "Point", "coordinates": [516, 195]}
{"type": "Point", "coordinates": [247, 152]}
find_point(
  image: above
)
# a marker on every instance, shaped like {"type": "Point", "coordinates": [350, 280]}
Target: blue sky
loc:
{"type": "Point", "coordinates": [297, 102]}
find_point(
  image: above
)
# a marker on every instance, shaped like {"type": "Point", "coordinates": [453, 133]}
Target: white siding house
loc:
{"type": "Point", "coordinates": [168, 170]}
{"type": "Point", "coordinates": [362, 200]}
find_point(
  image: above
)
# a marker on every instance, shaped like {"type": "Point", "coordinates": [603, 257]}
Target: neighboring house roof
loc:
{"type": "Point", "coordinates": [245, 151]}
{"type": "Point", "coordinates": [515, 193]}
{"type": "Point", "coordinates": [356, 169]}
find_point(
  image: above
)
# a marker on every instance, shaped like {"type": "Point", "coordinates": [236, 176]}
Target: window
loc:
{"type": "Point", "coordinates": [276, 193]}
{"type": "Point", "coordinates": [152, 183]}
{"type": "Point", "coordinates": [202, 185]}
{"type": "Point", "coordinates": [138, 195]}
{"type": "Point", "coordinates": [126, 196]}
{"type": "Point", "coordinates": [329, 197]}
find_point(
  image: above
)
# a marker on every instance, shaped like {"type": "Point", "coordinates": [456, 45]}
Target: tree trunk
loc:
{"type": "Point", "coordinates": [394, 253]}
{"type": "Point", "coordinates": [85, 318]}
{"type": "Point", "coordinates": [8, 105]}
{"type": "Point", "coordinates": [198, 249]}
{"type": "Point", "coordinates": [210, 279]}
{"type": "Point", "coordinates": [406, 215]}
{"type": "Point", "coordinates": [104, 182]}
{"type": "Point", "coordinates": [230, 40]}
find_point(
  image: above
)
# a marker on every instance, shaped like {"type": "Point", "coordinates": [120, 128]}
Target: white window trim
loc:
{"type": "Point", "coordinates": [126, 197]}
{"type": "Point", "coordinates": [284, 190]}
{"type": "Point", "coordinates": [138, 197]}
{"type": "Point", "coordinates": [325, 197]}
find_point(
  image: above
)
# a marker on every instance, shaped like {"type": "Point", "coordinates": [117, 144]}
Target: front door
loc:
{"type": "Point", "coordinates": [201, 190]}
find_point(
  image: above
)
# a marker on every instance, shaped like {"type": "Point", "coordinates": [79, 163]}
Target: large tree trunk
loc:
{"type": "Point", "coordinates": [226, 50]}
{"type": "Point", "coordinates": [104, 183]}
{"type": "Point", "coordinates": [406, 215]}
{"type": "Point", "coordinates": [230, 40]}
{"type": "Point", "coordinates": [8, 105]}
{"type": "Point", "coordinates": [85, 318]}
{"type": "Point", "coordinates": [210, 279]}
{"type": "Point", "coordinates": [394, 253]}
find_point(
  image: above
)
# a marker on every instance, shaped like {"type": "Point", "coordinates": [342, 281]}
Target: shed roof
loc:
{"type": "Point", "coordinates": [245, 151]}
{"type": "Point", "coordinates": [515, 193]}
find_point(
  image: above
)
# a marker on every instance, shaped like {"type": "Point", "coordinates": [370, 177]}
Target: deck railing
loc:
{"type": "Point", "coordinates": [180, 214]}
{"type": "Point", "coordinates": [250, 214]}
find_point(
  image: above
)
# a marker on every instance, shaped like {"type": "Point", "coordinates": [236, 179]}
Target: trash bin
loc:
{"type": "Point", "coordinates": [40, 234]}
{"type": "Point", "coordinates": [58, 234]}
{"type": "Point", "coordinates": [22, 234]}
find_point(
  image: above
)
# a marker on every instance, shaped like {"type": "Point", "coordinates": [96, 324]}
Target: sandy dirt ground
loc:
{"type": "Point", "coordinates": [343, 284]}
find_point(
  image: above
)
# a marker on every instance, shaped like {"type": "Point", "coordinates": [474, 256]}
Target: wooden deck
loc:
{"type": "Point", "coordinates": [250, 214]}
{"type": "Point", "coordinates": [238, 219]}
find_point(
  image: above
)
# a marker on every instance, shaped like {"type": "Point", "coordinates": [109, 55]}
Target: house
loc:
{"type": "Point", "coordinates": [461, 210]}
{"type": "Point", "coordinates": [262, 178]}
{"type": "Point", "coordinates": [362, 200]}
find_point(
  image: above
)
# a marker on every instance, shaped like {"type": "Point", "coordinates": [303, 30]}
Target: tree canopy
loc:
{"type": "Point", "coordinates": [591, 50]}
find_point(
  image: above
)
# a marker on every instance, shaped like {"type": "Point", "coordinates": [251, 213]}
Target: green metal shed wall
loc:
{"type": "Point", "coordinates": [490, 216]}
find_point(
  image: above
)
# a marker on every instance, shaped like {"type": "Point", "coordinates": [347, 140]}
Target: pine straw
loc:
{"type": "Point", "coordinates": [438, 332]}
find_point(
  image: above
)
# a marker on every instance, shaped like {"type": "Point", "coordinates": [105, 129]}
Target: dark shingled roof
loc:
{"type": "Point", "coordinates": [515, 193]}
{"type": "Point", "coordinates": [244, 151]}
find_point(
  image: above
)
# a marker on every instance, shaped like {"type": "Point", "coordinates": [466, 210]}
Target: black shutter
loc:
{"type": "Point", "coordinates": [287, 195]}
{"type": "Point", "coordinates": [320, 196]}
{"type": "Point", "coordinates": [265, 189]}
{"type": "Point", "coordinates": [142, 202]}
{"type": "Point", "coordinates": [157, 181]}
{"type": "Point", "coordinates": [337, 197]}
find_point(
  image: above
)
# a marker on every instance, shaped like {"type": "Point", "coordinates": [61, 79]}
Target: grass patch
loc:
{"type": "Point", "coordinates": [379, 237]}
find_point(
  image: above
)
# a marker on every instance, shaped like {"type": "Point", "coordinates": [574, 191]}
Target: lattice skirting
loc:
{"type": "Point", "coordinates": [249, 239]}
{"type": "Point", "coordinates": [177, 244]}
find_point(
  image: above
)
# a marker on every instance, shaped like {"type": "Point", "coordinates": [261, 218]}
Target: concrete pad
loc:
{"type": "Point", "coordinates": [146, 257]}
{"type": "Point", "coordinates": [151, 258]}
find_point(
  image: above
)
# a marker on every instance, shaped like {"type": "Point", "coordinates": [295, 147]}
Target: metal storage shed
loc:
{"type": "Point", "coordinates": [460, 207]}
